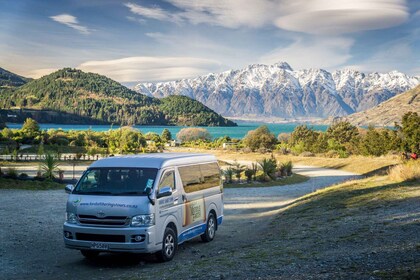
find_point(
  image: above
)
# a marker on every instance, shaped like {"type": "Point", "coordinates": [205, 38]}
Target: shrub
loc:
{"type": "Point", "coordinates": [23, 176]}
{"type": "Point", "coordinates": [228, 173]}
{"type": "Point", "coordinates": [12, 173]}
{"type": "Point", "coordinates": [193, 134]}
{"type": "Point", "coordinates": [249, 173]}
{"type": "Point", "coordinates": [268, 167]}
{"type": "Point", "coordinates": [49, 165]}
{"type": "Point", "coordinates": [409, 171]}
{"type": "Point", "coordinates": [260, 138]}
{"type": "Point", "coordinates": [287, 167]}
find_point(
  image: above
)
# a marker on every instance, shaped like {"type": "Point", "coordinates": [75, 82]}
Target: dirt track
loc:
{"type": "Point", "coordinates": [32, 245]}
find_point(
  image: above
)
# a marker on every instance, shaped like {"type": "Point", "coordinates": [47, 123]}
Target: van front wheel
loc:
{"type": "Point", "coordinates": [169, 245]}
{"type": "Point", "coordinates": [210, 232]}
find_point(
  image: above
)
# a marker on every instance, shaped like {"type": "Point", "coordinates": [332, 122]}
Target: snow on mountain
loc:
{"type": "Point", "coordinates": [279, 91]}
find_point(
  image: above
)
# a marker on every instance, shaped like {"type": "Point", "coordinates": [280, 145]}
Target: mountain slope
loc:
{"type": "Point", "coordinates": [91, 95]}
{"type": "Point", "coordinates": [279, 91]}
{"type": "Point", "coordinates": [390, 111]}
{"type": "Point", "coordinates": [9, 79]}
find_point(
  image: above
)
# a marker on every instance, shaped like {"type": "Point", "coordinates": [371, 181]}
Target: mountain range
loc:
{"type": "Point", "coordinates": [265, 91]}
{"type": "Point", "coordinates": [72, 96]}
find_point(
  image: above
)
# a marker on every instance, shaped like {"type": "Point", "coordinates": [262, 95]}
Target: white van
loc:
{"type": "Point", "coordinates": [144, 204]}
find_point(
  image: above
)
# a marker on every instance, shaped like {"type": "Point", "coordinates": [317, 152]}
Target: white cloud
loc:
{"type": "Point", "coordinates": [72, 22]}
{"type": "Point", "coordinates": [231, 14]}
{"type": "Point", "coordinates": [326, 52]}
{"type": "Point", "coordinates": [327, 17]}
{"type": "Point", "coordinates": [334, 17]}
{"type": "Point", "coordinates": [153, 13]}
{"type": "Point", "coordinates": [146, 68]}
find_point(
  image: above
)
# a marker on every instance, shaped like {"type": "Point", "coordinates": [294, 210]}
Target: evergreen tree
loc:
{"type": "Point", "coordinates": [166, 135]}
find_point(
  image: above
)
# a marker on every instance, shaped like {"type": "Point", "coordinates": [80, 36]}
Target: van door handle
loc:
{"type": "Point", "coordinates": [176, 200]}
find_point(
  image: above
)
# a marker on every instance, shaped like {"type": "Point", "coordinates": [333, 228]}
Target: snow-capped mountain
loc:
{"type": "Point", "coordinates": [279, 91]}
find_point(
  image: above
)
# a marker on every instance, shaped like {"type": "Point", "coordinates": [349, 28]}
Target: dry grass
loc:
{"type": "Point", "coordinates": [356, 164]}
{"type": "Point", "coordinates": [409, 171]}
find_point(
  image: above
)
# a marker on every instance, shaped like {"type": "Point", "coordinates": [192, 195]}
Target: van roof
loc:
{"type": "Point", "coordinates": [157, 160]}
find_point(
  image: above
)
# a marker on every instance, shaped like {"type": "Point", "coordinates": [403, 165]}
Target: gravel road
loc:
{"type": "Point", "coordinates": [32, 245]}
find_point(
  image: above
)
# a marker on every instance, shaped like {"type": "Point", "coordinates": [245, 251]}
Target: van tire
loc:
{"type": "Point", "coordinates": [169, 246]}
{"type": "Point", "coordinates": [211, 227]}
{"type": "Point", "coordinates": [89, 254]}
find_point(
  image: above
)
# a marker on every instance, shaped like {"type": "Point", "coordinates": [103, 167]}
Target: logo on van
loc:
{"type": "Point", "coordinates": [100, 214]}
{"type": "Point", "coordinates": [77, 201]}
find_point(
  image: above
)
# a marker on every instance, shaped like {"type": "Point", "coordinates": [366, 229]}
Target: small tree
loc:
{"type": "Point", "coordinates": [238, 169]}
{"type": "Point", "coordinates": [260, 138]}
{"type": "Point", "coordinates": [228, 174]}
{"type": "Point", "coordinates": [249, 173]}
{"type": "Point", "coordinates": [30, 128]}
{"type": "Point", "coordinates": [410, 131]}
{"type": "Point", "coordinates": [166, 135]}
{"type": "Point", "coordinates": [49, 165]}
{"type": "Point", "coordinates": [268, 167]}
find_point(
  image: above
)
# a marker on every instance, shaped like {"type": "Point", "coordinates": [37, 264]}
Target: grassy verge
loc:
{"type": "Point", "coordinates": [361, 228]}
{"type": "Point", "coordinates": [356, 164]}
{"type": "Point", "coordinates": [29, 185]}
{"type": "Point", "coordinates": [294, 179]}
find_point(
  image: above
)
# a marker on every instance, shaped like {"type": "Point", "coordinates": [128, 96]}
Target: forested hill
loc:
{"type": "Point", "coordinates": [9, 79]}
{"type": "Point", "coordinates": [87, 96]}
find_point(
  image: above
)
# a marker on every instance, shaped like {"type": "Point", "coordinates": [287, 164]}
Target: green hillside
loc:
{"type": "Point", "coordinates": [9, 79]}
{"type": "Point", "coordinates": [102, 100]}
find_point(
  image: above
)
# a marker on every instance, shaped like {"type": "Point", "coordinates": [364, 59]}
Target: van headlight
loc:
{"type": "Point", "coordinates": [71, 218]}
{"type": "Point", "coordinates": [143, 220]}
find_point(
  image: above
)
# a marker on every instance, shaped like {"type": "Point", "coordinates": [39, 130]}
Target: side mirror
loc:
{"type": "Point", "coordinates": [165, 191]}
{"type": "Point", "coordinates": [69, 189]}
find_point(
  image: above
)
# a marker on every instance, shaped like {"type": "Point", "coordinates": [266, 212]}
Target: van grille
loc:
{"type": "Point", "coordinates": [116, 221]}
{"type": "Point", "coordinates": [100, 237]}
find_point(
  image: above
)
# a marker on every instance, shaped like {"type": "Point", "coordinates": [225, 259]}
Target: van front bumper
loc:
{"type": "Point", "coordinates": [108, 239]}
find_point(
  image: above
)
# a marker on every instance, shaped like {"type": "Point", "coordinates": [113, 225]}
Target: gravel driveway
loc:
{"type": "Point", "coordinates": [32, 245]}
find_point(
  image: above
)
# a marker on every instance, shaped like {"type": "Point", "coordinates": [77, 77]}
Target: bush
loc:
{"type": "Point", "coordinates": [193, 134]}
{"type": "Point", "coordinates": [287, 168]}
{"type": "Point", "coordinates": [228, 173]}
{"type": "Point", "coordinates": [23, 176]}
{"type": "Point", "coordinates": [249, 173]}
{"type": "Point", "coordinates": [260, 138]}
{"type": "Point", "coordinates": [11, 173]}
{"type": "Point", "coordinates": [268, 166]}
{"type": "Point", "coordinates": [409, 171]}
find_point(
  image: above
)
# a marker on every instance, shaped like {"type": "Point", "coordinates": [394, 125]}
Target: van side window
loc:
{"type": "Point", "coordinates": [199, 177]}
{"type": "Point", "coordinates": [167, 180]}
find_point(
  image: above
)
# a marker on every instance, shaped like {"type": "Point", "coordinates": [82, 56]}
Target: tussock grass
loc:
{"type": "Point", "coordinates": [409, 171]}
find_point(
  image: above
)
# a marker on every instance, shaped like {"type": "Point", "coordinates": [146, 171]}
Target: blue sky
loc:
{"type": "Point", "coordinates": [139, 41]}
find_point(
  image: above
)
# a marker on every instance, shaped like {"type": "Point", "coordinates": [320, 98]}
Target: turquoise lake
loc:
{"type": "Point", "coordinates": [234, 132]}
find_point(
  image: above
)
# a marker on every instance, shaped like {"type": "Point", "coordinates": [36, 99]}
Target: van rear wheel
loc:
{"type": "Point", "coordinates": [210, 232]}
{"type": "Point", "coordinates": [89, 254]}
{"type": "Point", "coordinates": [169, 246]}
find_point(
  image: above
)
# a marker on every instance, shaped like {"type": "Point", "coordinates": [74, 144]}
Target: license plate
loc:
{"type": "Point", "coordinates": [99, 246]}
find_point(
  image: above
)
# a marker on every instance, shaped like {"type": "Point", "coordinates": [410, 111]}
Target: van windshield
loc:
{"type": "Point", "coordinates": [116, 181]}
